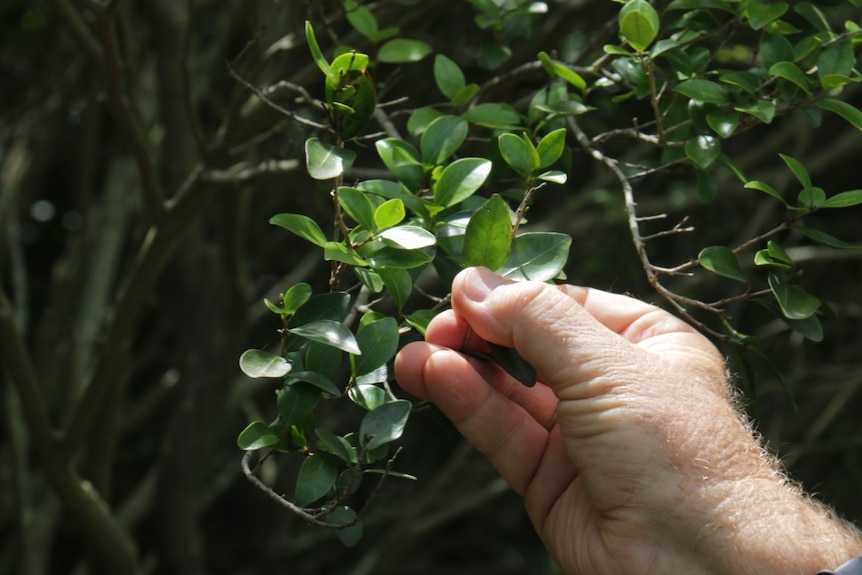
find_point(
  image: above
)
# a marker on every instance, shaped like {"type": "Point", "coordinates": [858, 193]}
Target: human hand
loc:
{"type": "Point", "coordinates": [630, 455]}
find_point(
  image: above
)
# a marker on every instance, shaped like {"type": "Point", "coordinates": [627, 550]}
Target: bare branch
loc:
{"type": "Point", "coordinates": [245, 173]}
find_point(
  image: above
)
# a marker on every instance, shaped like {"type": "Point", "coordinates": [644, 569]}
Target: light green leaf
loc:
{"type": "Point", "coordinates": [763, 110]}
{"type": "Point", "coordinates": [551, 147]}
{"type": "Point", "coordinates": [260, 363]}
{"type": "Point", "coordinates": [773, 255]}
{"type": "Point", "coordinates": [303, 226]}
{"type": "Point", "coordinates": [460, 180]}
{"type": "Point", "coordinates": [704, 90]}
{"type": "Point", "coordinates": [448, 76]}
{"type": "Point", "coordinates": [519, 153]}
{"type": "Point", "coordinates": [339, 252]}
{"type": "Point", "coordinates": [389, 213]}
{"type": "Point", "coordinates": [558, 70]}
{"type": "Point", "coordinates": [316, 478]}
{"type": "Point", "coordinates": [378, 341]}
{"type": "Point", "coordinates": [325, 161]}
{"type": "Point", "coordinates": [368, 396]}
{"type": "Point", "coordinates": [798, 170]}
{"type": "Point", "coordinates": [639, 24]}
{"type": "Point", "coordinates": [488, 238]}
{"type": "Point", "coordinates": [790, 72]}
{"type": "Point", "coordinates": [256, 436]}
{"type": "Point", "coordinates": [328, 332]}
{"type": "Point", "coordinates": [398, 258]}
{"type": "Point", "coordinates": [766, 188]}
{"type": "Point", "coordinates": [363, 21]}
{"type": "Point", "coordinates": [420, 119]}
{"type": "Point", "coordinates": [703, 150]}
{"type": "Point", "coordinates": [722, 261]}
{"type": "Point", "coordinates": [538, 256]}
{"type": "Point", "coordinates": [442, 138]}
{"type": "Point", "coordinates": [402, 50]}
{"type": "Point", "coordinates": [843, 109]}
{"type": "Point", "coordinates": [420, 319]}
{"type": "Point", "coordinates": [316, 53]}
{"type": "Point", "coordinates": [795, 302]}
{"type": "Point", "coordinates": [494, 116]}
{"type": "Point", "coordinates": [384, 424]}
{"type": "Point", "coordinates": [844, 199]}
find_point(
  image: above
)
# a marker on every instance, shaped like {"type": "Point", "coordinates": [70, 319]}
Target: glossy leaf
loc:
{"type": "Point", "coordinates": [296, 297]}
{"type": "Point", "coordinates": [722, 261]}
{"type": "Point", "coordinates": [460, 180]}
{"type": "Point", "coordinates": [384, 424]}
{"type": "Point", "coordinates": [408, 237]}
{"type": "Point", "coordinates": [844, 199]}
{"type": "Point", "coordinates": [339, 252]}
{"type": "Point", "coordinates": [519, 153]}
{"type": "Point", "coordinates": [325, 161]}
{"type": "Point", "coordinates": [773, 255]}
{"type": "Point", "coordinates": [296, 401]}
{"type": "Point", "coordinates": [723, 122]}
{"type": "Point", "coordinates": [763, 110]}
{"type": "Point", "coordinates": [551, 147]}
{"type": "Point", "coordinates": [639, 24]}
{"type": "Point", "coordinates": [703, 150]}
{"type": "Point", "coordinates": [303, 226]}
{"type": "Point", "coordinates": [389, 213]}
{"type": "Point", "coordinates": [559, 70]}
{"type": "Point", "coordinates": [399, 258]}
{"type": "Point", "coordinates": [256, 435]}
{"type": "Point", "coordinates": [488, 237]}
{"type": "Point", "coordinates": [402, 160]}
{"type": "Point", "coordinates": [442, 138]}
{"type": "Point", "coordinates": [328, 332]}
{"type": "Point", "coordinates": [448, 76]}
{"type": "Point", "coordinates": [553, 176]}
{"type": "Point", "coordinates": [836, 60]}
{"type": "Point", "coordinates": [322, 359]}
{"type": "Point", "coordinates": [402, 50]}
{"type": "Point", "coordinates": [318, 380]}
{"type": "Point", "coordinates": [315, 479]}
{"type": "Point", "coordinates": [357, 205]}
{"type": "Point", "coordinates": [760, 13]}
{"type": "Point", "coordinates": [704, 90]}
{"type": "Point", "coordinates": [316, 54]}
{"type": "Point", "coordinates": [790, 72]}
{"type": "Point", "coordinates": [766, 188]}
{"type": "Point", "coordinates": [538, 256]}
{"type": "Point", "coordinates": [259, 363]}
{"type": "Point", "coordinates": [378, 341]}
{"type": "Point", "coordinates": [368, 396]}
{"type": "Point", "coordinates": [420, 119]}
{"type": "Point", "coordinates": [850, 113]}
{"type": "Point", "coordinates": [795, 302]}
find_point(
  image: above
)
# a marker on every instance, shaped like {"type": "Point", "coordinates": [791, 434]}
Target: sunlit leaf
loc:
{"type": "Point", "coordinates": [724, 122]}
{"type": "Point", "coordinates": [460, 180]}
{"type": "Point", "coordinates": [442, 138]}
{"type": "Point", "coordinates": [763, 110]}
{"type": "Point", "coordinates": [328, 332]}
{"type": "Point", "coordinates": [389, 213]}
{"type": "Point", "coordinates": [519, 153]}
{"type": "Point", "coordinates": [325, 161]}
{"type": "Point", "coordinates": [551, 147]}
{"type": "Point", "coordinates": [488, 237]}
{"type": "Point", "coordinates": [844, 199]}
{"type": "Point", "coordinates": [303, 226]}
{"type": "Point", "coordinates": [408, 237]}
{"type": "Point", "coordinates": [402, 50]}
{"type": "Point", "coordinates": [538, 256]}
{"type": "Point", "coordinates": [260, 363]}
{"type": "Point", "coordinates": [399, 283]}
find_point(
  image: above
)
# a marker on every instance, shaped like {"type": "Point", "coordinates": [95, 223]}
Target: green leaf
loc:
{"type": "Point", "coordinates": [328, 332]}
{"type": "Point", "coordinates": [763, 110]}
{"type": "Point", "coordinates": [296, 297]}
{"type": "Point", "coordinates": [795, 302]}
{"type": "Point", "coordinates": [822, 237]}
{"type": "Point", "coordinates": [316, 478]}
{"type": "Point", "coordinates": [316, 53]}
{"type": "Point", "coordinates": [402, 50]}
{"type": "Point", "coordinates": [357, 205]}
{"type": "Point", "coordinates": [363, 21]}
{"type": "Point", "coordinates": [332, 306]}
{"type": "Point", "coordinates": [303, 226]}
{"type": "Point", "coordinates": [494, 116]}
{"type": "Point", "coordinates": [760, 13]}
{"type": "Point", "coordinates": [553, 176]}
{"type": "Point", "coordinates": [336, 445]}
{"type": "Point", "coordinates": [442, 138]}
{"type": "Point", "coordinates": [256, 436]}
{"type": "Point", "coordinates": [407, 237]}
{"type": "Point", "coordinates": [339, 252]}
{"type": "Point", "coordinates": [844, 199]}
{"type": "Point", "coordinates": [318, 380]}
{"type": "Point", "coordinates": [389, 213]}
{"type": "Point", "coordinates": [448, 76]}
{"type": "Point", "coordinates": [843, 109]}
{"type": "Point", "coordinates": [296, 401]}
{"type": "Point", "coordinates": [722, 261]}
{"type": "Point", "coordinates": [551, 147]}
{"type": "Point", "coordinates": [704, 90]}
{"type": "Point", "coordinates": [810, 327]}
{"type": "Point", "coordinates": [724, 122]}
{"type": "Point", "coordinates": [558, 70]}
{"type": "Point", "coordinates": [399, 258]}
{"type": "Point", "coordinates": [460, 180]}
{"type": "Point", "coordinates": [519, 153]}
{"type": "Point", "coordinates": [384, 424]}
{"type": "Point", "coordinates": [773, 255]}
{"type": "Point", "coordinates": [639, 24]}
{"type": "Point", "coordinates": [766, 188]}
{"type": "Point", "coordinates": [325, 161]}
{"type": "Point", "coordinates": [399, 283]}
{"type": "Point", "coordinates": [707, 187]}
{"type": "Point", "coordinates": [420, 119]}
{"type": "Point", "coordinates": [538, 256]}
{"type": "Point", "coordinates": [466, 95]}
{"type": "Point", "coordinates": [368, 396]}
{"type": "Point", "coordinates": [349, 536]}
{"type": "Point", "coordinates": [402, 160]}
{"type": "Point", "coordinates": [703, 150]}
{"type": "Point", "coordinates": [488, 237]}
{"type": "Point", "coordinates": [378, 341]}
{"type": "Point", "coordinates": [790, 72]}
{"type": "Point", "coordinates": [836, 60]}
{"type": "Point", "coordinates": [322, 359]}
{"type": "Point", "coordinates": [260, 363]}
{"type": "Point", "coordinates": [798, 170]}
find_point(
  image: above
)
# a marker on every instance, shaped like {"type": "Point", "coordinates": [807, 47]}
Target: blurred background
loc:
{"type": "Point", "coordinates": [133, 316]}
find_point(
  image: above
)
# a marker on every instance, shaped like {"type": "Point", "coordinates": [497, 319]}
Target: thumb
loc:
{"type": "Point", "coordinates": [549, 328]}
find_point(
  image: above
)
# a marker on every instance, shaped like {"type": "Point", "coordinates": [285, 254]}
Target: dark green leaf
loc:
{"type": "Point", "coordinates": [493, 115]}
{"type": "Point", "coordinates": [378, 341]}
{"type": "Point", "coordinates": [349, 536]}
{"type": "Point", "coordinates": [466, 95]}
{"type": "Point", "coordinates": [399, 258]}
{"type": "Point", "coordinates": [322, 359]}
{"type": "Point", "coordinates": [551, 147]}
{"type": "Point", "coordinates": [256, 436]}
{"type": "Point", "coordinates": [318, 380]}
{"type": "Point", "coordinates": [384, 424]}
{"type": "Point", "coordinates": [303, 226]}
{"type": "Point", "coordinates": [724, 122]}
{"type": "Point", "coordinates": [336, 445]}
{"type": "Point", "coordinates": [822, 237]}
{"type": "Point", "coordinates": [810, 327]}
{"type": "Point", "coordinates": [448, 76]}
{"type": "Point", "coordinates": [703, 150]}
{"type": "Point", "coordinates": [339, 252]}
{"type": "Point", "coordinates": [488, 237]}
{"type": "Point", "coordinates": [704, 90]}
{"type": "Point", "coordinates": [399, 283]}
{"type": "Point", "coordinates": [790, 72]}
{"type": "Point", "coordinates": [520, 153]}
{"type": "Point", "coordinates": [760, 13]}
{"type": "Point", "coordinates": [722, 261]}
{"type": "Point", "coordinates": [442, 138]}
{"type": "Point", "coordinates": [843, 109]}
{"type": "Point", "coordinates": [401, 50]}
{"type": "Point", "coordinates": [316, 478]}
{"type": "Point", "coordinates": [368, 396]}
{"type": "Point", "coordinates": [798, 170]}
{"type": "Point", "coordinates": [838, 59]}
{"type": "Point", "coordinates": [328, 332]}
{"type": "Point", "coordinates": [420, 119]}
{"type": "Point", "coordinates": [707, 187]}
{"type": "Point", "coordinates": [402, 160]}
{"type": "Point", "coordinates": [420, 319]}
{"type": "Point", "coordinates": [795, 302]}
{"type": "Point", "coordinates": [538, 256]}
{"type": "Point", "coordinates": [325, 161]}
{"type": "Point", "coordinates": [259, 363]}
{"type": "Point", "coordinates": [296, 401]}
{"type": "Point", "coordinates": [358, 206]}
{"type": "Point", "coordinates": [460, 180]}
{"type": "Point", "coordinates": [763, 110]}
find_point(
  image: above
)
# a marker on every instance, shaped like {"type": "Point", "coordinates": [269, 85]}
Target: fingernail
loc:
{"type": "Point", "coordinates": [478, 283]}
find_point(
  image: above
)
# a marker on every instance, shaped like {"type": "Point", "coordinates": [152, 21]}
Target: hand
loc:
{"type": "Point", "coordinates": [630, 453]}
